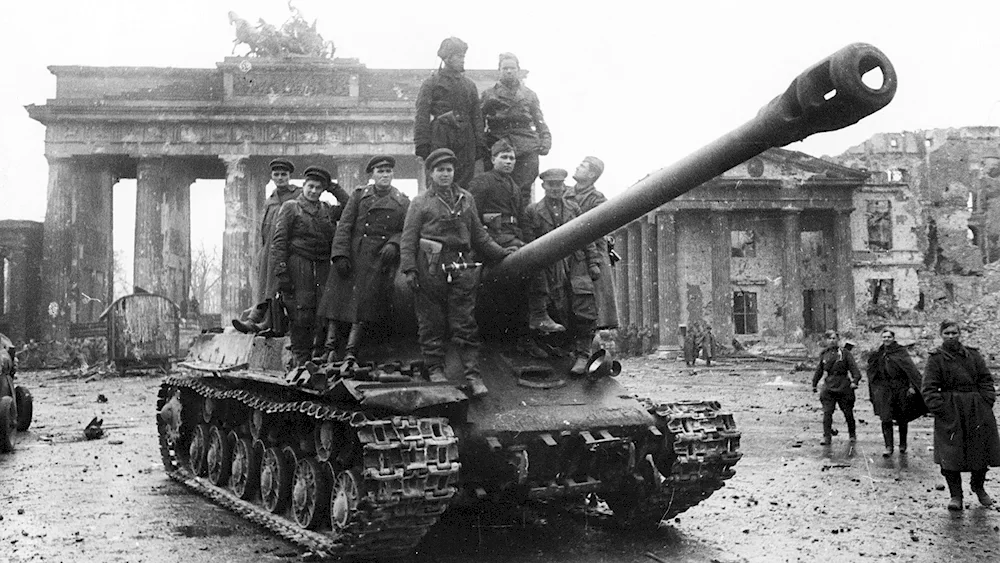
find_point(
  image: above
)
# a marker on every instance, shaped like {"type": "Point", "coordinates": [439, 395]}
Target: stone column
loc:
{"type": "Point", "coordinates": [844, 274]}
{"type": "Point", "coordinates": [722, 293]}
{"type": "Point", "coordinates": [258, 174]}
{"type": "Point", "coordinates": [634, 282]}
{"type": "Point", "coordinates": [238, 246]}
{"type": "Point", "coordinates": [791, 278]}
{"type": "Point", "coordinates": [669, 309]}
{"type": "Point", "coordinates": [621, 278]}
{"type": "Point", "coordinates": [163, 229]}
{"type": "Point", "coordinates": [650, 300]}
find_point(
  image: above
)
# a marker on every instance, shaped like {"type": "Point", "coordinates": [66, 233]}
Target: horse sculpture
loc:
{"type": "Point", "coordinates": [295, 38]}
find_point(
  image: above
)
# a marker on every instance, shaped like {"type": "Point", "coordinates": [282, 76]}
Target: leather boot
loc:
{"type": "Point", "coordinates": [258, 321]}
{"type": "Point", "coordinates": [902, 437]}
{"type": "Point", "coordinates": [978, 483]}
{"type": "Point", "coordinates": [470, 366]}
{"type": "Point", "coordinates": [332, 342]}
{"type": "Point", "coordinates": [954, 480]}
{"type": "Point", "coordinates": [852, 431]}
{"type": "Point", "coordinates": [353, 339]}
{"type": "Point", "coordinates": [527, 345]}
{"type": "Point", "coordinates": [538, 316]}
{"type": "Point", "coordinates": [887, 438]}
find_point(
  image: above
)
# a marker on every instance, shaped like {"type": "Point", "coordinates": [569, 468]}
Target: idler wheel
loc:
{"type": "Point", "coordinates": [219, 457]}
{"type": "Point", "coordinates": [275, 480]}
{"type": "Point", "coordinates": [198, 451]}
{"type": "Point", "coordinates": [311, 493]}
{"type": "Point", "coordinates": [244, 477]}
{"type": "Point", "coordinates": [347, 492]}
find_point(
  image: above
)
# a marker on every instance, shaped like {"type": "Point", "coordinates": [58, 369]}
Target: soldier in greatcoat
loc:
{"type": "Point", "coordinates": [284, 190]}
{"type": "Point", "coordinates": [586, 195]}
{"type": "Point", "coordinates": [570, 281]}
{"type": "Point", "coordinates": [512, 112]}
{"type": "Point", "coordinates": [448, 113]}
{"type": "Point", "coordinates": [440, 233]}
{"type": "Point", "coordinates": [365, 255]}
{"type": "Point", "coordinates": [958, 390]}
{"type": "Point", "coordinates": [300, 252]}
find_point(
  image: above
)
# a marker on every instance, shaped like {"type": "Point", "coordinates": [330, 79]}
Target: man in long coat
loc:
{"type": "Point", "coordinates": [281, 172]}
{"type": "Point", "coordinates": [585, 194]}
{"type": "Point", "coordinates": [512, 112]}
{"type": "Point", "coordinates": [448, 113]}
{"type": "Point", "coordinates": [958, 390]}
{"type": "Point", "coordinates": [365, 255]}
{"type": "Point", "coordinates": [570, 280]}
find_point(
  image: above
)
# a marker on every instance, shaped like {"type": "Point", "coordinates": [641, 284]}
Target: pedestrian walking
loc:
{"type": "Point", "coordinates": [842, 377]}
{"type": "Point", "coordinates": [893, 384]}
{"type": "Point", "coordinates": [958, 390]}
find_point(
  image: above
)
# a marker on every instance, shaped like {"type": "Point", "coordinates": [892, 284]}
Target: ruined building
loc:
{"type": "Point", "coordinates": [781, 247]}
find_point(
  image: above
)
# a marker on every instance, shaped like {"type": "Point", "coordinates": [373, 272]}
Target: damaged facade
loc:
{"type": "Point", "coordinates": [953, 175]}
{"type": "Point", "coordinates": [20, 246]}
{"type": "Point", "coordinates": [779, 248]}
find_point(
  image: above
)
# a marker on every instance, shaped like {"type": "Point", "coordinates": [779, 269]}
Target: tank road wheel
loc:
{"type": "Point", "coordinates": [330, 440]}
{"type": "Point", "coordinates": [311, 493]}
{"type": "Point", "coordinates": [198, 451]}
{"type": "Point", "coordinates": [275, 480]}
{"type": "Point", "coordinates": [347, 492]}
{"type": "Point", "coordinates": [219, 456]}
{"type": "Point", "coordinates": [8, 423]}
{"type": "Point", "coordinates": [22, 398]}
{"type": "Point", "coordinates": [244, 477]}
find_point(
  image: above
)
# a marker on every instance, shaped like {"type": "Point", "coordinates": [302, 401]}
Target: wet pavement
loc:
{"type": "Point", "coordinates": [63, 498]}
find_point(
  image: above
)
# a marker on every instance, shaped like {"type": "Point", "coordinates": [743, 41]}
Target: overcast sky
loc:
{"type": "Point", "coordinates": [640, 84]}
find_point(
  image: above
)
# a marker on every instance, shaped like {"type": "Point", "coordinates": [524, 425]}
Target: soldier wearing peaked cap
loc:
{"type": "Point", "coordinates": [281, 173]}
{"type": "Point", "coordinates": [300, 251]}
{"type": "Point", "coordinates": [442, 229]}
{"type": "Point", "coordinates": [512, 112]}
{"type": "Point", "coordinates": [365, 257]}
{"type": "Point", "coordinates": [570, 281]}
{"type": "Point", "coordinates": [585, 194]}
{"type": "Point", "coordinates": [448, 113]}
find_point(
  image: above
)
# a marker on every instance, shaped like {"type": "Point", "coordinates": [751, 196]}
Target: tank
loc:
{"type": "Point", "coordinates": [360, 460]}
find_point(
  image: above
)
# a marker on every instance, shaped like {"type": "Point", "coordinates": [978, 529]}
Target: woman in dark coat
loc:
{"type": "Point", "coordinates": [958, 390]}
{"type": "Point", "coordinates": [892, 380]}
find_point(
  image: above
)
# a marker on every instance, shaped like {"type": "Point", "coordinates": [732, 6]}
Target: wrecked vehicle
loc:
{"type": "Point", "coordinates": [359, 460]}
{"type": "Point", "coordinates": [15, 400]}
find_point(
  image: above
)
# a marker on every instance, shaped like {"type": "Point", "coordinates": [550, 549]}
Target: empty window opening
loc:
{"type": "Point", "coordinates": [817, 314]}
{"type": "Point", "coordinates": [881, 292]}
{"type": "Point", "coordinates": [745, 312]}
{"type": "Point", "coordinates": [879, 218]}
{"type": "Point", "coordinates": [743, 244]}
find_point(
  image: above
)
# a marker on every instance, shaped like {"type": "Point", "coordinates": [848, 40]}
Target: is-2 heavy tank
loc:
{"type": "Point", "coordinates": [360, 460]}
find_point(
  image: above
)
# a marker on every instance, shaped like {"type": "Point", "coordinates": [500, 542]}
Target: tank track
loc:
{"type": "Point", "coordinates": [409, 468]}
{"type": "Point", "coordinates": [701, 448]}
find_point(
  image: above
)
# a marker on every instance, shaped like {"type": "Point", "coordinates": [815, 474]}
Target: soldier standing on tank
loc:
{"type": "Point", "coordinates": [441, 230]}
{"type": "Point", "coordinates": [448, 113]}
{"type": "Point", "coordinates": [585, 194]}
{"type": "Point", "coordinates": [570, 280]}
{"type": "Point", "coordinates": [300, 252]}
{"type": "Point", "coordinates": [512, 112]}
{"type": "Point", "coordinates": [365, 255]}
{"type": "Point", "coordinates": [501, 209]}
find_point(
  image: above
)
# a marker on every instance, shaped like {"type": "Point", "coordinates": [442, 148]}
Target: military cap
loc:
{"type": "Point", "coordinates": [554, 175]}
{"type": "Point", "coordinates": [380, 160]}
{"type": "Point", "coordinates": [282, 164]}
{"type": "Point", "coordinates": [509, 57]}
{"type": "Point", "coordinates": [595, 163]}
{"type": "Point", "coordinates": [452, 46]}
{"type": "Point", "coordinates": [318, 173]}
{"type": "Point", "coordinates": [440, 156]}
{"type": "Point", "coordinates": [503, 145]}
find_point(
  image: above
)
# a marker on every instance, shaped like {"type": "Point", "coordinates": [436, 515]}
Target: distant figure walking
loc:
{"type": "Point", "coordinates": [842, 378]}
{"type": "Point", "coordinates": [706, 345]}
{"type": "Point", "coordinates": [691, 345]}
{"type": "Point", "coordinates": [893, 381]}
{"type": "Point", "coordinates": [958, 389]}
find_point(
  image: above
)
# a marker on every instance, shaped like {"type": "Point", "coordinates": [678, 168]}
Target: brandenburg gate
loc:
{"type": "Point", "coordinates": [167, 127]}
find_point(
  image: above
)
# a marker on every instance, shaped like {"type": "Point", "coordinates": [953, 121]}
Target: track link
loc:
{"type": "Point", "coordinates": [409, 467]}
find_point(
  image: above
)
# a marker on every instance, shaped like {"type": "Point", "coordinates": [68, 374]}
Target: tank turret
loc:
{"type": "Point", "coordinates": [360, 459]}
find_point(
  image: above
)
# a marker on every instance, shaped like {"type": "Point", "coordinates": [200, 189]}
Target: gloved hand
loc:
{"type": "Point", "coordinates": [508, 251]}
{"type": "Point", "coordinates": [595, 272]}
{"type": "Point", "coordinates": [422, 151]}
{"type": "Point", "coordinates": [343, 266]}
{"type": "Point", "coordinates": [285, 283]}
{"type": "Point", "coordinates": [389, 253]}
{"type": "Point", "coordinates": [412, 281]}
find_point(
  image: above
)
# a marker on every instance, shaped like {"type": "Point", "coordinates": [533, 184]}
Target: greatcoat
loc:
{"type": "Point", "coordinates": [604, 288]}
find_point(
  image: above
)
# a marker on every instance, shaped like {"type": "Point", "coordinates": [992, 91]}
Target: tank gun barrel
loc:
{"type": "Point", "coordinates": [827, 96]}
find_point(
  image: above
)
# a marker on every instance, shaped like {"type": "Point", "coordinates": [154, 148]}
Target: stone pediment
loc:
{"type": "Point", "coordinates": [787, 166]}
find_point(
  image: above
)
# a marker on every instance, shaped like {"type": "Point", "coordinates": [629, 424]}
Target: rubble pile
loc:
{"type": "Point", "coordinates": [66, 354]}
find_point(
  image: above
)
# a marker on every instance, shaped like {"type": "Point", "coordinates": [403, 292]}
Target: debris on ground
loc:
{"type": "Point", "coordinates": [93, 430]}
